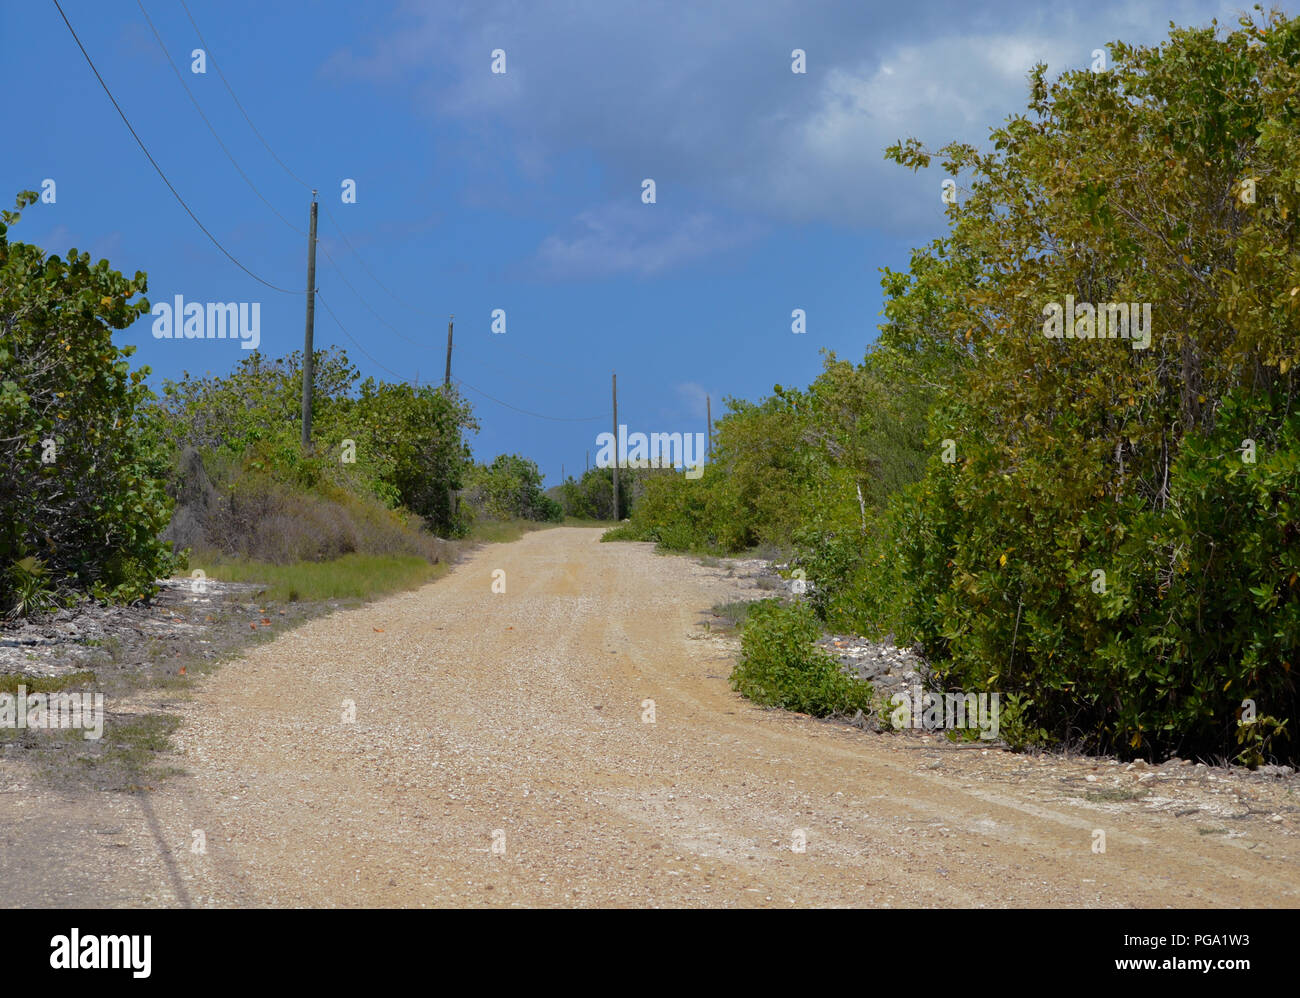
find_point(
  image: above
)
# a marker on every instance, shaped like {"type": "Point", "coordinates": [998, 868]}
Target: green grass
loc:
{"type": "Point", "coordinates": [354, 576]}
{"type": "Point", "coordinates": [733, 614]}
{"type": "Point", "coordinates": [131, 748]}
{"type": "Point", "coordinates": [9, 682]}
{"type": "Point", "coordinates": [623, 532]}
{"type": "Point", "coordinates": [134, 740]}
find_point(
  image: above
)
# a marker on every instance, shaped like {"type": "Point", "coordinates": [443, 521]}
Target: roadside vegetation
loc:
{"type": "Point", "coordinates": [590, 499]}
{"type": "Point", "coordinates": [1108, 532]}
{"type": "Point", "coordinates": [351, 576]}
{"type": "Point", "coordinates": [107, 487]}
{"type": "Point", "coordinates": [780, 667]}
{"type": "Point", "coordinates": [82, 500]}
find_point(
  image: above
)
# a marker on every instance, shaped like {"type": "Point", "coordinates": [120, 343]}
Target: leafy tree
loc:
{"type": "Point", "coordinates": [592, 495]}
{"type": "Point", "coordinates": [404, 445]}
{"type": "Point", "coordinates": [417, 435]}
{"type": "Point", "coordinates": [82, 498]}
{"type": "Point", "coordinates": [1086, 456]}
{"type": "Point", "coordinates": [511, 488]}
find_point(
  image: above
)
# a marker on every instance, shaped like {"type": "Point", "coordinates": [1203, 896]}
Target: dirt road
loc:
{"type": "Point", "coordinates": [502, 754]}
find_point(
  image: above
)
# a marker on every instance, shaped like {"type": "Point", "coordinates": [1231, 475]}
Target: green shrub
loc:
{"type": "Point", "coordinates": [687, 514]}
{"type": "Point", "coordinates": [781, 667]}
{"type": "Point", "coordinates": [82, 472]}
{"type": "Point", "coordinates": [591, 497]}
{"type": "Point", "coordinates": [29, 588]}
{"type": "Point", "coordinates": [856, 577]}
{"type": "Point", "coordinates": [510, 488]}
{"type": "Point", "coordinates": [1099, 546]}
{"type": "Point", "coordinates": [400, 444]}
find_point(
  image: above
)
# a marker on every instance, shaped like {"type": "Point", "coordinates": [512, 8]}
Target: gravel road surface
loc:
{"type": "Point", "coordinates": [502, 753]}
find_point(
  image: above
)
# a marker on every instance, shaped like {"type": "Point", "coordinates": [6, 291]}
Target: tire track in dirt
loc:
{"type": "Point", "coordinates": [520, 714]}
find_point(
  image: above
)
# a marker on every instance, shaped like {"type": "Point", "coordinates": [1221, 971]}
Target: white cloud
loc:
{"type": "Point", "coordinates": [706, 94]}
{"type": "Point", "coordinates": [634, 238]}
{"type": "Point", "coordinates": [941, 90]}
{"type": "Point", "coordinates": [695, 398]}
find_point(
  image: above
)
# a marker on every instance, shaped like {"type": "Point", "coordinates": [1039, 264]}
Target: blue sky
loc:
{"type": "Point", "coordinates": [522, 190]}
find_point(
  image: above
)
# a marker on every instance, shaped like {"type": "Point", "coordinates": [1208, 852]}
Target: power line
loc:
{"type": "Point", "coordinates": [143, 148]}
{"type": "Point", "coordinates": [527, 412]}
{"type": "Point", "coordinates": [290, 225]}
{"type": "Point", "coordinates": [253, 187]}
{"type": "Point", "coordinates": [359, 347]}
{"type": "Point", "coordinates": [208, 52]}
{"type": "Point", "coordinates": [367, 304]}
{"type": "Point", "coordinates": [369, 273]}
{"type": "Point", "coordinates": [342, 235]}
{"type": "Point", "coordinates": [459, 381]}
{"type": "Point", "coordinates": [194, 100]}
{"type": "Point", "coordinates": [333, 221]}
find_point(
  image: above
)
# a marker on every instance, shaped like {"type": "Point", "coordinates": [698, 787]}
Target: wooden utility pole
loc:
{"type": "Point", "coordinates": [587, 466]}
{"type": "Point", "coordinates": [446, 385]}
{"type": "Point", "coordinates": [708, 409]}
{"type": "Point", "coordinates": [616, 516]}
{"type": "Point", "coordinates": [308, 368]}
{"type": "Point", "coordinates": [446, 381]}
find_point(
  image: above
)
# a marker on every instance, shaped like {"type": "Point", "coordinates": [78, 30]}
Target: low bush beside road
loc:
{"type": "Point", "coordinates": [781, 667]}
